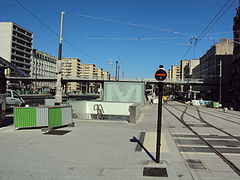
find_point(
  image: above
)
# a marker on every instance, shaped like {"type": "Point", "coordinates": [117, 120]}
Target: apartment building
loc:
{"type": "Point", "coordinates": [71, 69]}
{"type": "Point", "coordinates": [183, 64]}
{"type": "Point", "coordinates": [87, 71]}
{"type": "Point", "coordinates": [105, 75]}
{"type": "Point", "coordinates": [236, 62]}
{"type": "Point", "coordinates": [188, 69]}
{"type": "Point", "coordinates": [16, 46]}
{"type": "Point", "coordinates": [100, 74]}
{"type": "Point", "coordinates": [175, 72]}
{"type": "Point", "coordinates": [43, 65]}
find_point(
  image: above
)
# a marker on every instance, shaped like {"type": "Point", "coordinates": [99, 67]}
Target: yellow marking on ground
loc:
{"type": "Point", "coordinates": [150, 142]}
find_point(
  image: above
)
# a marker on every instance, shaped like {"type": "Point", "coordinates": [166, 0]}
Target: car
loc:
{"type": "Point", "coordinates": [13, 99]}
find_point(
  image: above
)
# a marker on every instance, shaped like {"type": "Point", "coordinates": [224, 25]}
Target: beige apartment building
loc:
{"type": "Point", "coordinates": [90, 71]}
{"type": "Point", "coordinates": [183, 64]}
{"type": "Point", "coordinates": [71, 69]}
{"type": "Point", "coordinates": [188, 69]}
{"type": "Point", "coordinates": [100, 74]}
{"type": "Point", "coordinates": [87, 71]}
{"type": "Point", "coordinates": [105, 75]}
{"type": "Point", "coordinates": [175, 72]}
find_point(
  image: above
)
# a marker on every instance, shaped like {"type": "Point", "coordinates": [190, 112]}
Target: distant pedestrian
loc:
{"type": "Point", "coordinates": [165, 99]}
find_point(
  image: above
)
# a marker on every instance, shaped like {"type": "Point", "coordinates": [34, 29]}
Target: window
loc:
{"type": "Point", "coordinates": [15, 95]}
{"type": "Point", "coordinates": [8, 94]}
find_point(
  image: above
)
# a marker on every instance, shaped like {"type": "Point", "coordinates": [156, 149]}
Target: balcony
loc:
{"type": "Point", "coordinates": [23, 32]}
{"type": "Point", "coordinates": [21, 45]}
{"type": "Point", "coordinates": [21, 39]}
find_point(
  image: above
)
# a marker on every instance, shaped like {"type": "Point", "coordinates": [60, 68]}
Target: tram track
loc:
{"type": "Point", "coordinates": [215, 150]}
{"type": "Point", "coordinates": [203, 121]}
{"type": "Point", "coordinates": [235, 116]}
{"type": "Point", "coordinates": [205, 112]}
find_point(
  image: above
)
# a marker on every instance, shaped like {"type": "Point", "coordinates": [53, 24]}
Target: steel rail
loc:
{"type": "Point", "coordinates": [207, 123]}
{"type": "Point", "coordinates": [227, 161]}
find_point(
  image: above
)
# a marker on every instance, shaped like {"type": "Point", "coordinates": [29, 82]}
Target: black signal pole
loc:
{"type": "Point", "coordinates": [160, 75]}
{"type": "Point", "coordinates": [159, 122]}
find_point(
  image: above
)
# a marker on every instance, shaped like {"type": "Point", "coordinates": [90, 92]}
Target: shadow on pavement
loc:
{"type": "Point", "coordinates": [7, 121]}
{"type": "Point", "coordinates": [134, 139]}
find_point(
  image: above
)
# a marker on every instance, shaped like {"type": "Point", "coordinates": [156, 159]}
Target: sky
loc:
{"type": "Point", "coordinates": [140, 34]}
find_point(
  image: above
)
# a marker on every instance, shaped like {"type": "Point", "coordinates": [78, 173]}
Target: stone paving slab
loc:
{"type": "Point", "coordinates": [102, 150]}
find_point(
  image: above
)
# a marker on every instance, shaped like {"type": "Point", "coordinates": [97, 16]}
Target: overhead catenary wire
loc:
{"type": "Point", "coordinates": [132, 24]}
{"type": "Point", "coordinates": [216, 18]}
{"type": "Point", "coordinates": [57, 34]}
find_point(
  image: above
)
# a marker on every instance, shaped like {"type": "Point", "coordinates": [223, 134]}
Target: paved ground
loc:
{"type": "Point", "coordinates": [103, 150]}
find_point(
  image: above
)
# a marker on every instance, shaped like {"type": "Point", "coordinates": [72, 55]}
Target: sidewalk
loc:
{"type": "Point", "coordinates": [91, 150]}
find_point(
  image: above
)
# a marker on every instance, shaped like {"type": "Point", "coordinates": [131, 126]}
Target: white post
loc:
{"type": "Point", "coordinates": [58, 96]}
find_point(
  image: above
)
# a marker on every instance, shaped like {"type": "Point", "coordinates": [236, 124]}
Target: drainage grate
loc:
{"type": "Point", "coordinates": [195, 164]}
{"type": "Point", "coordinates": [153, 171]}
{"type": "Point", "coordinates": [57, 132]}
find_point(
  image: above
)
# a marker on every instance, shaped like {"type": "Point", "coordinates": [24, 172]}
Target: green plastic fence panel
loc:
{"type": "Point", "coordinates": [24, 117]}
{"type": "Point", "coordinates": [54, 117]}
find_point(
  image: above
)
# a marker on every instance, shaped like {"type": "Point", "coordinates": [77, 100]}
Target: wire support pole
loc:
{"type": "Point", "coordinates": [58, 97]}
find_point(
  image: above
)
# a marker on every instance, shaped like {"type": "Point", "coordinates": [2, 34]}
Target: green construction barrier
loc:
{"type": "Point", "coordinates": [51, 116]}
{"type": "Point", "coordinates": [54, 117]}
{"type": "Point", "coordinates": [24, 117]}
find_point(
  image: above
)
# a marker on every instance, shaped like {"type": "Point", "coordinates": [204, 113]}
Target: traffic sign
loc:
{"type": "Point", "coordinates": [161, 74]}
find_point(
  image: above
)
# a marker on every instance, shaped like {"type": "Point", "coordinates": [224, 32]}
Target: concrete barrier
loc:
{"type": "Point", "coordinates": [135, 112]}
{"type": "Point", "coordinates": [108, 110]}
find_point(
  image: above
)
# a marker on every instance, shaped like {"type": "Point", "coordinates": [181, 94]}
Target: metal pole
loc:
{"type": "Point", "coordinates": [58, 96]}
{"type": "Point", "coordinates": [220, 82]}
{"type": "Point", "coordinates": [159, 122]}
{"type": "Point", "coordinates": [116, 70]}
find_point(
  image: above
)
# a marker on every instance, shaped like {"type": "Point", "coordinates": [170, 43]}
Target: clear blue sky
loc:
{"type": "Point", "coordinates": [120, 28]}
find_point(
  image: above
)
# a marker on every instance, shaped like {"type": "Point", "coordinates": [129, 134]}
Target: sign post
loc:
{"type": "Point", "coordinates": [160, 75]}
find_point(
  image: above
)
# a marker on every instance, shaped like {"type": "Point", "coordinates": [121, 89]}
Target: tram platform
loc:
{"type": "Point", "coordinates": [103, 149]}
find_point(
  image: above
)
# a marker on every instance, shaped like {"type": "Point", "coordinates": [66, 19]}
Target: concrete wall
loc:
{"type": "Point", "coordinates": [5, 40]}
{"type": "Point", "coordinates": [111, 110]}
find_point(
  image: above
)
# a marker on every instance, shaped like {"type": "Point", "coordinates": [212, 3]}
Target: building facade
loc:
{"type": "Point", "coordinates": [236, 62]}
{"type": "Point", "coordinates": [71, 69]}
{"type": "Point", "coordinates": [183, 64]}
{"type": "Point", "coordinates": [188, 69]}
{"type": "Point", "coordinates": [16, 46]}
{"type": "Point", "coordinates": [87, 71]}
{"type": "Point", "coordinates": [43, 65]}
{"type": "Point", "coordinates": [216, 68]}
{"type": "Point", "coordinates": [175, 72]}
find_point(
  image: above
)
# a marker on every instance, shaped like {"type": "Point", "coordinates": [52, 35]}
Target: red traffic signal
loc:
{"type": "Point", "coordinates": [161, 74]}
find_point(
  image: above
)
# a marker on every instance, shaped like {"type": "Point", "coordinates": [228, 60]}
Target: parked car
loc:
{"type": "Point", "coordinates": [13, 99]}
